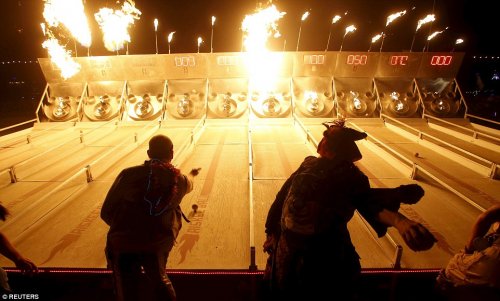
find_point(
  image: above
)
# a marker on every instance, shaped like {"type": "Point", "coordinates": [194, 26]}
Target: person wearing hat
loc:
{"type": "Point", "coordinates": [143, 212]}
{"type": "Point", "coordinates": [311, 255]}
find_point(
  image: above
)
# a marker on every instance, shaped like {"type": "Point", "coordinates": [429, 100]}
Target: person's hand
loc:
{"type": "Point", "coordinates": [415, 235]}
{"type": "Point", "coordinates": [195, 171]}
{"type": "Point", "coordinates": [411, 193]}
{"type": "Point", "coordinates": [26, 265]}
{"type": "Point", "coordinates": [269, 244]}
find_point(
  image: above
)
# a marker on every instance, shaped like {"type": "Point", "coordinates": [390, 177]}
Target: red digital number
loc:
{"type": "Point", "coordinates": [356, 59]}
{"type": "Point", "coordinates": [399, 60]}
{"type": "Point", "coordinates": [441, 60]}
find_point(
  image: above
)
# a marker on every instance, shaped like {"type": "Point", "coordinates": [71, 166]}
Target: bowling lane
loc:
{"type": "Point", "coordinates": [470, 183]}
{"type": "Point", "coordinates": [218, 236]}
{"type": "Point", "coordinates": [68, 235]}
{"type": "Point", "coordinates": [12, 154]}
{"type": "Point", "coordinates": [449, 219]}
{"type": "Point", "coordinates": [278, 151]}
{"type": "Point", "coordinates": [489, 151]}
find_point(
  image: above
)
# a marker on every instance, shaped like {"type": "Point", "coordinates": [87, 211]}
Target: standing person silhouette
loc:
{"type": "Point", "coordinates": [311, 253]}
{"type": "Point", "coordinates": [143, 211]}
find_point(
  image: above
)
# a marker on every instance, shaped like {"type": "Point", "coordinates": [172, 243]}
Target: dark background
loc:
{"type": "Point", "coordinates": [21, 81]}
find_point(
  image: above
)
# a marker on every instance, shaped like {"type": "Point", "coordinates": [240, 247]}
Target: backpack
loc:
{"type": "Point", "coordinates": [303, 203]}
{"type": "Point", "coordinates": [322, 196]}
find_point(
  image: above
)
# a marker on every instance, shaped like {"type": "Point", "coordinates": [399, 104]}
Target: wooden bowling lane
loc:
{"type": "Point", "coordinates": [218, 235]}
{"type": "Point", "coordinates": [25, 149]}
{"type": "Point", "coordinates": [71, 234]}
{"type": "Point", "coordinates": [66, 153]}
{"type": "Point", "coordinates": [13, 140]}
{"type": "Point", "coordinates": [489, 150]}
{"type": "Point", "coordinates": [459, 175]}
{"type": "Point", "coordinates": [39, 133]}
{"type": "Point", "coordinates": [278, 151]}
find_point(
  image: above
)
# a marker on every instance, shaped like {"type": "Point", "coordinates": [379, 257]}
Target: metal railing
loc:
{"type": "Point", "coordinates": [475, 134]}
{"type": "Point", "coordinates": [464, 153]}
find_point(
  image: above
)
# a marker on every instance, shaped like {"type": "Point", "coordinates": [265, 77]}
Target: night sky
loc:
{"type": "Point", "coordinates": [474, 21]}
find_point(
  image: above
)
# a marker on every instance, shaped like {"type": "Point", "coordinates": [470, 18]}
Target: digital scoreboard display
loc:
{"type": "Point", "coordinates": [357, 59]}
{"type": "Point", "coordinates": [398, 64]}
{"type": "Point", "coordinates": [229, 64]}
{"type": "Point", "coordinates": [287, 64]}
{"type": "Point", "coordinates": [440, 64]}
{"type": "Point", "coordinates": [185, 65]}
{"type": "Point", "coordinates": [314, 63]}
{"type": "Point", "coordinates": [356, 64]}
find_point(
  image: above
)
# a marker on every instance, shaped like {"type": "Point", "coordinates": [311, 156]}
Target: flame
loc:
{"type": "Point", "coordinates": [304, 16]}
{"type": "Point", "coordinates": [459, 41]}
{"type": "Point", "coordinates": [394, 17]}
{"type": "Point", "coordinates": [263, 66]}
{"type": "Point", "coordinates": [213, 20]}
{"type": "Point", "coordinates": [427, 19]}
{"type": "Point", "coordinates": [259, 27]}
{"type": "Point", "coordinates": [200, 40]}
{"type": "Point", "coordinates": [61, 58]}
{"type": "Point", "coordinates": [336, 18]}
{"type": "Point", "coordinates": [377, 37]}
{"type": "Point", "coordinates": [170, 36]}
{"type": "Point", "coordinates": [350, 28]}
{"type": "Point", "coordinates": [114, 24]}
{"type": "Point", "coordinates": [69, 13]}
{"type": "Point", "coordinates": [156, 24]}
{"type": "Point", "coordinates": [434, 34]}
{"type": "Point", "coordinates": [43, 28]}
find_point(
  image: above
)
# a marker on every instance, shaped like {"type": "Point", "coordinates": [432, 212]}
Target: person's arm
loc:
{"type": "Point", "coordinates": [193, 173]}
{"type": "Point", "coordinates": [482, 225]}
{"type": "Point", "coordinates": [8, 250]}
{"type": "Point", "coordinates": [415, 235]}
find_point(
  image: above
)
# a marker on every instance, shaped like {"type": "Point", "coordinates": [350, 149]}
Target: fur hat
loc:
{"type": "Point", "coordinates": [340, 140]}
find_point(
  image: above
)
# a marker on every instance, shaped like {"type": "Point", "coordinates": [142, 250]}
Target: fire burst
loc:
{"type": "Point", "coordinates": [427, 19]}
{"type": "Point", "coordinates": [259, 27]}
{"type": "Point", "coordinates": [115, 23]}
{"type": "Point", "coordinates": [262, 64]}
{"type": "Point", "coordinates": [61, 58]}
{"type": "Point", "coordinates": [394, 17]}
{"type": "Point", "coordinates": [434, 34]}
{"type": "Point", "coordinates": [69, 13]}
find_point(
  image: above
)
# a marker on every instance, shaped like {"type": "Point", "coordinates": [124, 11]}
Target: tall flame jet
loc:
{"type": "Point", "coordinates": [263, 65]}
{"type": "Point", "coordinates": [114, 24]}
{"type": "Point", "coordinates": [65, 15]}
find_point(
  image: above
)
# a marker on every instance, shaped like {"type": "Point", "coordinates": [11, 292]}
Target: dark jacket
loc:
{"type": "Point", "coordinates": [125, 210]}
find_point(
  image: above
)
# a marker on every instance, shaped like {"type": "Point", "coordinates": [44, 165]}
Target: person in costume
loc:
{"type": "Point", "coordinates": [312, 256]}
